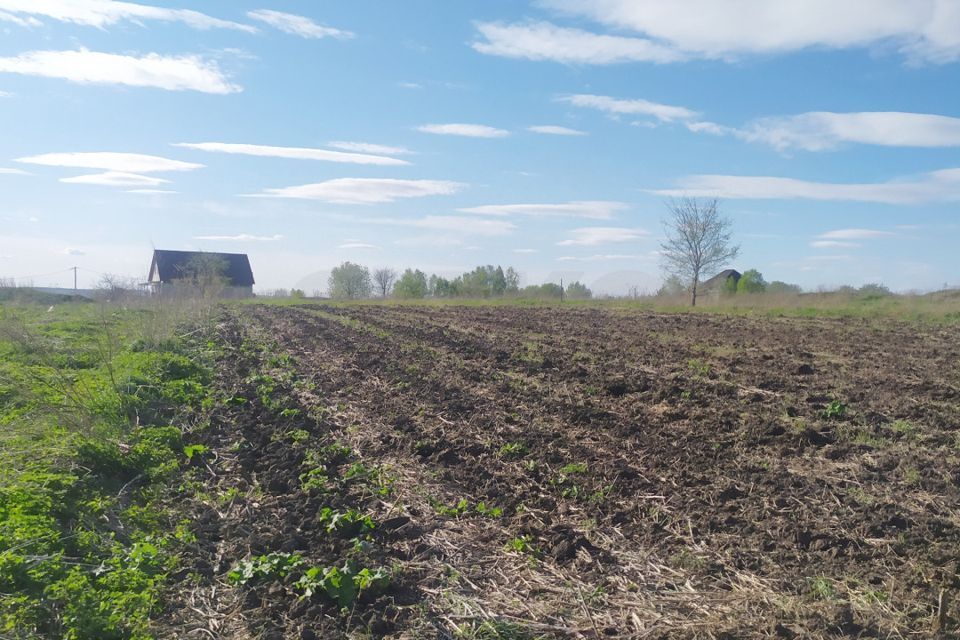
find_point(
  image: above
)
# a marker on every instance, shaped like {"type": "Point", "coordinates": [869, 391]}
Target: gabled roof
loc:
{"type": "Point", "coordinates": [722, 277]}
{"type": "Point", "coordinates": [174, 265]}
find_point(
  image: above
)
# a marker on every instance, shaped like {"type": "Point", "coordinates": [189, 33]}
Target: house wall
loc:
{"type": "Point", "coordinates": [186, 290]}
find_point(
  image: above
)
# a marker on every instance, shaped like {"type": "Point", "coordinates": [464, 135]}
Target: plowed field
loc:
{"type": "Point", "coordinates": [581, 473]}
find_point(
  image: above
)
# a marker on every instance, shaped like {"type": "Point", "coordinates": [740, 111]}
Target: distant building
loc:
{"type": "Point", "coordinates": [720, 282]}
{"type": "Point", "coordinates": [188, 272]}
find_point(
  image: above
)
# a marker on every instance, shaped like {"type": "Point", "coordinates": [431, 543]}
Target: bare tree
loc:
{"type": "Point", "coordinates": [383, 278]}
{"type": "Point", "coordinates": [698, 241]}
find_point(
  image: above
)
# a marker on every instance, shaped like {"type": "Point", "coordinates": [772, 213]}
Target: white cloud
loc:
{"type": "Point", "coordinates": [937, 186]}
{"type": "Point", "coordinates": [469, 226]}
{"type": "Point", "coordinates": [600, 257]}
{"type": "Point", "coordinates": [103, 13]}
{"type": "Point", "coordinates": [110, 161]}
{"type": "Point", "coordinates": [366, 147]}
{"type": "Point", "coordinates": [243, 237]}
{"type": "Point", "coordinates": [70, 251]}
{"type": "Point", "coordinates": [366, 190]}
{"type": "Point", "coordinates": [357, 245]}
{"type": "Point", "coordinates": [554, 130]}
{"type": "Point", "coordinates": [592, 236]}
{"type": "Point", "coordinates": [615, 106]}
{"type": "Point", "coordinates": [855, 234]}
{"type": "Point", "coordinates": [833, 244]}
{"type": "Point", "coordinates": [5, 94]}
{"type": "Point", "coordinates": [297, 25]}
{"type": "Point", "coordinates": [927, 29]}
{"type": "Point", "coordinates": [458, 226]}
{"type": "Point", "coordinates": [13, 172]}
{"type": "Point", "coordinates": [410, 85]}
{"type": "Point", "coordinates": [156, 192]}
{"type": "Point", "coordinates": [295, 153]}
{"type": "Point", "coordinates": [29, 21]}
{"type": "Point", "coordinates": [468, 130]}
{"type": "Point", "coordinates": [116, 179]}
{"type": "Point", "coordinates": [526, 251]}
{"type": "Point", "coordinates": [545, 41]}
{"type": "Point", "coordinates": [173, 73]}
{"type": "Point", "coordinates": [597, 209]}
{"type": "Point", "coordinates": [822, 130]}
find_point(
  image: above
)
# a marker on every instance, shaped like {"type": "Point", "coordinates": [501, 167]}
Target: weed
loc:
{"type": "Point", "coordinates": [195, 450]}
{"type": "Point", "coordinates": [343, 584]}
{"type": "Point", "coordinates": [821, 588]}
{"type": "Point", "coordinates": [347, 523]}
{"type": "Point", "coordinates": [513, 449]}
{"type": "Point", "coordinates": [836, 410]}
{"type": "Point", "coordinates": [264, 567]}
{"type": "Point", "coordinates": [907, 429]}
{"type": "Point", "coordinates": [699, 368]}
{"type": "Point", "coordinates": [524, 544]}
{"type": "Point", "coordinates": [911, 476]}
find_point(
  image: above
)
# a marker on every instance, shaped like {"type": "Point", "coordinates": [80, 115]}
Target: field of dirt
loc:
{"type": "Point", "coordinates": [581, 473]}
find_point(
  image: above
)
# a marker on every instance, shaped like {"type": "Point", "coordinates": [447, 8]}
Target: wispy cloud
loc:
{"type": "Point", "coordinates": [555, 130]}
{"type": "Point", "coordinates": [600, 257]}
{"type": "Point", "coordinates": [545, 41]}
{"type": "Point", "coordinates": [366, 190]}
{"type": "Point", "coordinates": [104, 13]}
{"type": "Point", "coordinates": [833, 244]}
{"type": "Point", "coordinates": [937, 186]}
{"type": "Point", "coordinates": [297, 25]}
{"type": "Point", "coordinates": [823, 130]}
{"type": "Point", "coordinates": [597, 209]}
{"type": "Point", "coordinates": [468, 130]}
{"type": "Point", "coordinates": [295, 153]}
{"type": "Point", "coordinates": [13, 172]}
{"type": "Point", "coordinates": [71, 251]}
{"type": "Point", "coordinates": [617, 106]}
{"type": "Point", "coordinates": [173, 73]}
{"type": "Point", "coordinates": [110, 161]}
{"type": "Point", "coordinates": [366, 147]}
{"type": "Point", "coordinates": [923, 29]}
{"type": "Point", "coordinates": [592, 236]}
{"type": "Point", "coordinates": [152, 192]}
{"type": "Point", "coordinates": [242, 237]}
{"type": "Point", "coordinates": [116, 179]}
{"type": "Point", "coordinates": [357, 245]}
{"type": "Point", "coordinates": [526, 250]}
{"type": "Point", "coordinates": [855, 234]}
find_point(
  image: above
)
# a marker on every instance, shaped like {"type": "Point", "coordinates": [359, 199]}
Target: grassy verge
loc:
{"type": "Point", "coordinates": [95, 404]}
{"type": "Point", "coordinates": [937, 308]}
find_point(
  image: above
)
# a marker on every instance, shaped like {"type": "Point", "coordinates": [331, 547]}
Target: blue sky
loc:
{"type": "Point", "coordinates": [441, 135]}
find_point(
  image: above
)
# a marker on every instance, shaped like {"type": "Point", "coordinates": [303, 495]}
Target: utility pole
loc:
{"type": "Point", "coordinates": [74, 279]}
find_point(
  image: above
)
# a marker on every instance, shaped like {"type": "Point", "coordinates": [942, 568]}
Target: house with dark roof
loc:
{"type": "Point", "coordinates": [721, 282]}
{"type": "Point", "coordinates": [191, 272]}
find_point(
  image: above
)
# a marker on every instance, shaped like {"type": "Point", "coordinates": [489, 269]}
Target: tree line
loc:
{"type": "Point", "coordinates": [351, 281]}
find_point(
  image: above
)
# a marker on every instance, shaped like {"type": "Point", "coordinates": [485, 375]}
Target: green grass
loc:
{"type": "Point", "coordinates": [88, 404]}
{"type": "Point", "coordinates": [942, 307]}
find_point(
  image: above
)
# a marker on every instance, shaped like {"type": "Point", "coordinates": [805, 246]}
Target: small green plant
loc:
{"type": "Point", "coordinates": [836, 410]}
{"type": "Point", "coordinates": [905, 428]}
{"type": "Point", "coordinates": [699, 367]}
{"type": "Point", "coordinates": [264, 567]}
{"type": "Point", "coordinates": [523, 544]}
{"type": "Point", "coordinates": [343, 584]}
{"type": "Point", "coordinates": [911, 476]}
{"type": "Point", "coordinates": [195, 450]}
{"type": "Point", "coordinates": [348, 523]}
{"type": "Point", "coordinates": [513, 450]}
{"type": "Point", "coordinates": [822, 588]}
{"type": "Point", "coordinates": [299, 435]}
{"type": "Point", "coordinates": [462, 508]}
